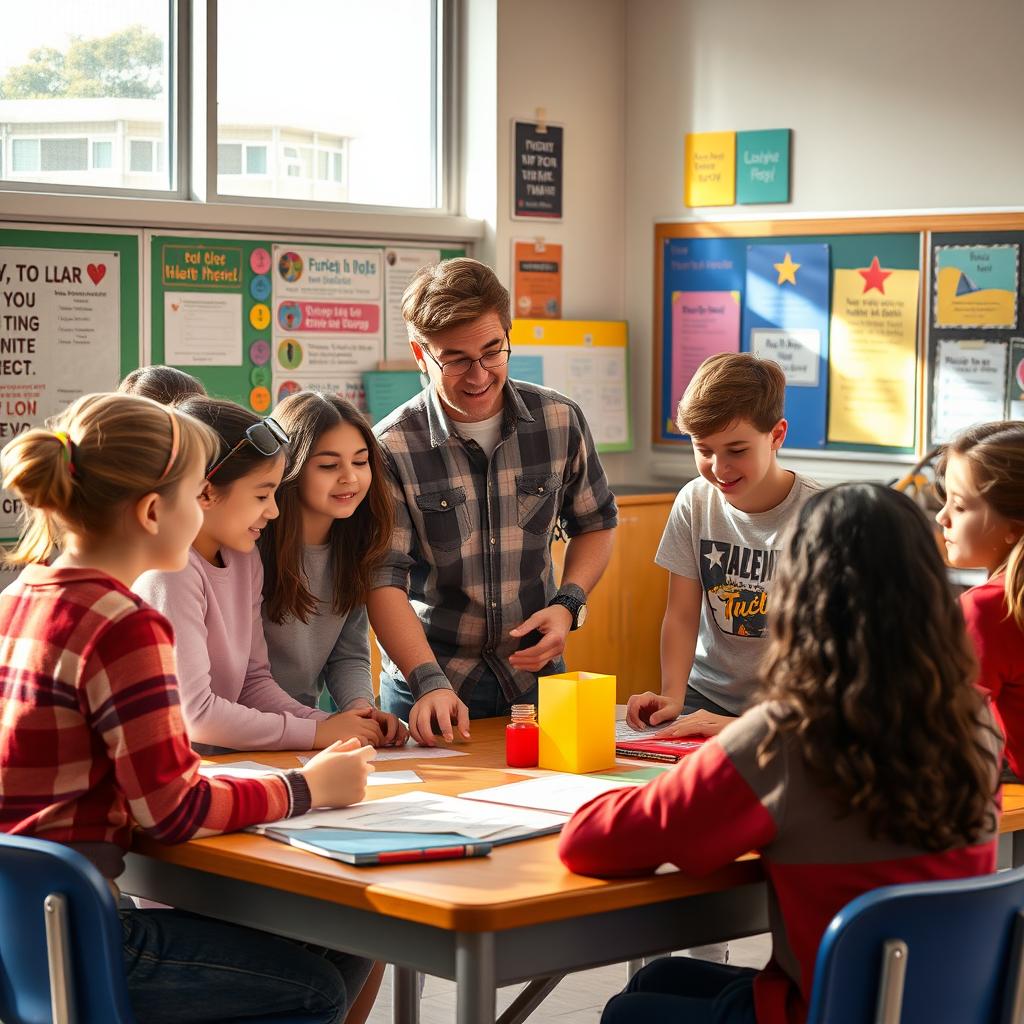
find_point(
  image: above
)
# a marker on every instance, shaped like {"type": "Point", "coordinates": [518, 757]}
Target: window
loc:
{"type": "Point", "coordinates": [358, 124]}
{"type": "Point", "coordinates": [229, 158]}
{"type": "Point", "coordinates": [102, 65]}
{"type": "Point", "coordinates": [255, 159]}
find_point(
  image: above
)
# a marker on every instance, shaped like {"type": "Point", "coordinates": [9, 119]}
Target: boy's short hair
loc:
{"type": "Point", "coordinates": [732, 386]}
{"type": "Point", "coordinates": [453, 292]}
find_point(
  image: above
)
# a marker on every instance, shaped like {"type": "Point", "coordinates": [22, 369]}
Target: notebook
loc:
{"type": "Point", "coordinates": [353, 846]}
{"type": "Point", "coordinates": [658, 750]}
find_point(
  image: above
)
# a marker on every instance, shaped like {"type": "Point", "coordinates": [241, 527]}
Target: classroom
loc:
{"type": "Point", "coordinates": [609, 411]}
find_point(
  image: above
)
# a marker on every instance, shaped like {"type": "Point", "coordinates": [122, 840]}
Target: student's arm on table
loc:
{"type": "Point", "coordinates": [679, 629]}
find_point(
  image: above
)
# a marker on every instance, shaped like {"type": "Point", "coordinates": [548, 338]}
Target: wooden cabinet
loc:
{"type": "Point", "coordinates": [622, 634]}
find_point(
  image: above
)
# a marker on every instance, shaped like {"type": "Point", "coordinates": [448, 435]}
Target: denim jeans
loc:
{"type": "Point", "coordinates": [676, 989]}
{"type": "Point", "coordinates": [487, 699]}
{"type": "Point", "coordinates": [181, 967]}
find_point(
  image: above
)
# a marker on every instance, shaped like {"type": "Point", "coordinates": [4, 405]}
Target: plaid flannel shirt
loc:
{"type": "Point", "coordinates": [91, 735]}
{"type": "Point", "coordinates": [472, 539]}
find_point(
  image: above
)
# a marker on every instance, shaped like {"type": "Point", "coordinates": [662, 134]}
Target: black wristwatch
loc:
{"type": "Point", "coordinates": [572, 597]}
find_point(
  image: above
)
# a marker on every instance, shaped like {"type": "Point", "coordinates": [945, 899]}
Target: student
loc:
{"type": "Point", "coordinates": [320, 554]}
{"type": "Point", "coordinates": [92, 741]}
{"type": "Point", "coordinates": [164, 384]}
{"type": "Point", "coordinates": [721, 546]}
{"type": "Point", "coordinates": [835, 776]}
{"type": "Point", "coordinates": [982, 520]}
{"type": "Point", "coordinates": [230, 699]}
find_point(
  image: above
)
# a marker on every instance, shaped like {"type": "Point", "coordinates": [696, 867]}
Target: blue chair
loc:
{"type": "Point", "coordinates": [60, 940]}
{"type": "Point", "coordinates": [930, 953]}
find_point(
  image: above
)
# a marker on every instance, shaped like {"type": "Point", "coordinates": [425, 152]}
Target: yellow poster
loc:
{"type": "Point", "coordinates": [710, 169]}
{"type": "Point", "coordinates": [873, 356]}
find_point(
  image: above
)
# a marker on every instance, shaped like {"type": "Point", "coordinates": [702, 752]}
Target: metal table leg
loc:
{"type": "Point", "coordinates": [405, 996]}
{"type": "Point", "coordinates": [529, 999]}
{"type": "Point", "coordinates": [476, 988]}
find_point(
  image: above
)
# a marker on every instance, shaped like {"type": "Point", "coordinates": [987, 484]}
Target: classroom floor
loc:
{"type": "Point", "coordinates": [579, 998]}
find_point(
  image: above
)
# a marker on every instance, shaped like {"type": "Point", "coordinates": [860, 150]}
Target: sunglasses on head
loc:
{"type": "Point", "coordinates": [267, 436]}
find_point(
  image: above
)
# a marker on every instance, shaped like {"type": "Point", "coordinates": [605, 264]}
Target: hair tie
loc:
{"type": "Point", "coordinates": [69, 450]}
{"type": "Point", "coordinates": [175, 441]}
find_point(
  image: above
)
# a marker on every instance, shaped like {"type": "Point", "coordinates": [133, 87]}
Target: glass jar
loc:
{"type": "Point", "coordinates": [522, 737]}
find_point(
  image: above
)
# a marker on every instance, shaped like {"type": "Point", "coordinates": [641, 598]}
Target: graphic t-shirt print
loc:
{"type": "Point", "coordinates": [735, 581]}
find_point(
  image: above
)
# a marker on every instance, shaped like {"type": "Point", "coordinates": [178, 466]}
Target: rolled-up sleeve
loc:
{"type": "Point", "coordinates": [587, 501]}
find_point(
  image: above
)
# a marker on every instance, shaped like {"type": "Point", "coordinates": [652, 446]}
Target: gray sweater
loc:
{"type": "Point", "coordinates": [330, 650]}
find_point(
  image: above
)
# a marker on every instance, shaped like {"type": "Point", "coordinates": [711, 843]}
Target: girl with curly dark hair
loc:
{"type": "Point", "coordinates": [870, 759]}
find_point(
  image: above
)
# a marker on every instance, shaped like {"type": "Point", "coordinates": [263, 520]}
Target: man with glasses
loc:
{"type": "Point", "coordinates": [483, 469]}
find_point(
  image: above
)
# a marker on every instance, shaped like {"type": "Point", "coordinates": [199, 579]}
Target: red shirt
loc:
{"type": "Point", "coordinates": [999, 643]}
{"type": "Point", "coordinates": [91, 735]}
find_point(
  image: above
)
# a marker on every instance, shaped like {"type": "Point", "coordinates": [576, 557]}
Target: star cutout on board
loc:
{"type": "Point", "coordinates": [874, 276]}
{"type": "Point", "coordinates": [714, 556]}
{"type": "Point", "coordinates": [787, 270]}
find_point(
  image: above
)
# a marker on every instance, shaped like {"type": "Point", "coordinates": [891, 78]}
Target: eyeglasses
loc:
{"type": "Point", "coordinates": [460, 367]}
{"type": "Point", "coordinates": [266, 437]}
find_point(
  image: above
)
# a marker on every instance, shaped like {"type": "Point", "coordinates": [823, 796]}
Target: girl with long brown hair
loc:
{"type": "Point", "coordinates": [870, 759]}
{"type": "Point", "coordinates": [319, 556]}
{"type": "Point", "coordinates": [981, 474]}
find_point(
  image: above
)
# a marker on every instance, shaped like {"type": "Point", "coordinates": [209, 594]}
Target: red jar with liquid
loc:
{"type": "Point", "coordinates": [522, 737]}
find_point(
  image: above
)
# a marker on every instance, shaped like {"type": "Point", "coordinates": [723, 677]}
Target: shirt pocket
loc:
{"type": "Point", "coordinates": [445, 517]}
{"type": "Point", "coordinates": [537, 498]}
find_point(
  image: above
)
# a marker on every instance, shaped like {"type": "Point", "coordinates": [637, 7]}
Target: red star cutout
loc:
{"type": "Point", "coordinates": [874, 276]}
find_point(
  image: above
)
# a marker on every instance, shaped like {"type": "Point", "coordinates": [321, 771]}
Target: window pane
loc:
{"type": "Point", "coordinates": [378, 128]}
{"type": "Point", "coordinates": [255, 160]}
{"type": "Point", "coordinates": [229, 158]}
{"type": "Point", "coordinates": [141, 158]}
{"type": "Point", "coordinates": [64, 154]}
{"type": "Point", "coordinates": [99, 68]}
{"type": "Point", "coordinates": [102, 155]}
{"type": "Point", "coordinates": [25, 155]}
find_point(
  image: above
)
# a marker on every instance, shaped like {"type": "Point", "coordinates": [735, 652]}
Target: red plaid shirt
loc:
{"type": "Point", "coordinates": [91, 734]}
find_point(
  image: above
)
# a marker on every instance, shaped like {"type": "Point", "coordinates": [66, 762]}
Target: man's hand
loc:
{"type": "Point", "coordinates": [644, 709]}
{"type": "Point", "coordinates": [699, 723]}
{"type": "Point", "coordinates": [440, 707]}
{"type": "Point", "coordinates": [553, 624]}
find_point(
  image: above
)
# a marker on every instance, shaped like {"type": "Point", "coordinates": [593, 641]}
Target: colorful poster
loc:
{"type": "Point", "coordinates": [762, 166]}
{"type": "Point", "coordinates": [709, 169]}
{"type": "Point", "coordinates": [873, 356]}
{"type": "Point", "coordinates": [703, 324]}
{"type": "Point", "coordinates": [787, 303]}
{"type": "Point", "coordinates": [60, 338]}
{"type": "Point", "coordinates": [537, 280]}
{"type": "Point", "coordinates": [970, 385]}
{"type": "Point", "coordinates": [400, 267]}
{"type": "Point", "coordinates": [1015, 387]}
{"type": "Point", "coordinates": [976, 286]}
{"type": "Point", "coordinates": [327, 320]}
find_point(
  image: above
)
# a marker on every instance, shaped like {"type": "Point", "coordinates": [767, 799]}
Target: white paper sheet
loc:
{"type": "Point", "coordinates": [560, 793]}
{"type": "Point", "coordinates": [392, 778]}
{"type": "Point", "coordinates": [239, 770]}
{"type": "Point", "coordinates": [203, 329]}
{"type": "Point", "coordinates": [624, 731]}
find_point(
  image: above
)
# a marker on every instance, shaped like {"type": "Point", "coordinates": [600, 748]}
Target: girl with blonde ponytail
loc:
{"type": "Point", "coordinates": [92, 741]}
{"type": "Point", "coordinates": [981, 474]}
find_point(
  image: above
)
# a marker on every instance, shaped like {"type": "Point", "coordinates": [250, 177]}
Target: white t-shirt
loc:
{"type": "Point", "coordinates": [486, 433]}
{"type": "Point", "coordinates": [733, 555]}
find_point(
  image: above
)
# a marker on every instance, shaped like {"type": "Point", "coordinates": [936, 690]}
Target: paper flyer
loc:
{"type": "Point", "coordinates": [203, 328]}
{"type": "Point", "coordinates": [400, 267]}
{"type": "Point", "coordinates": [873, 356]}
{"type": "Point", "coordinates": [537, 279]}
{"type": "Point", "coordinates": [976, 286]}
{"type": "Point", "coordinates": [60, 338]}
{"type": "Point", "coordinates": [970, 385]}
{"type": "Point", "coordinates": [1015, 389]}
{"type": "Point", "coordinates": [703, 324]}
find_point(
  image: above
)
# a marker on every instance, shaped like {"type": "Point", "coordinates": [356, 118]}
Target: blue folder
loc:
{"type": "Point", "coordinates": [356, 846]}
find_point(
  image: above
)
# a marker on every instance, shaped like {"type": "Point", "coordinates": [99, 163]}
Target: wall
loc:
{"type": "Point", "coordinates": [904, 105]}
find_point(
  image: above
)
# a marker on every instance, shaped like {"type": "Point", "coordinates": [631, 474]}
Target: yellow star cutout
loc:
{"type": "Point", "coordinates": [787, 270]}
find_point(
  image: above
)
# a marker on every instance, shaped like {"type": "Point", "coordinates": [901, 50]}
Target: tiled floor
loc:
{"type": "Point", "coordinates": [579, 998]}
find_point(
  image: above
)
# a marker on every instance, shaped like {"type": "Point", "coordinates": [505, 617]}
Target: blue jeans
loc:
{"type": "Point", "coordinates": [677, 989]}
{"type": "Point", "coordinates": [487, 699]}
{"type": "Point", "coordinates": [182, 967]}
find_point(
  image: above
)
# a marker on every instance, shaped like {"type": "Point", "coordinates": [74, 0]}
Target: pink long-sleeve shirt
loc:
{"type": "Point", "coordinates": [228, 696]}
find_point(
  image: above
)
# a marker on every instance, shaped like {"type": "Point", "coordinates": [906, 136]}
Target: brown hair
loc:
{"type": "Point", "coordinates": [164, 384]}
{"type": "Point", "coordinates": [103, 451]}
{"type": "Point", "coordinates": [357, 544]}
{"type": "Point", "coordinates": [453, 292]}
{"type": "Point", "coordinates": [732, 386]}
{"type": "Point", "coordinates": [995, 452]}
{"type": "Point", "coordinates": [876, 689]}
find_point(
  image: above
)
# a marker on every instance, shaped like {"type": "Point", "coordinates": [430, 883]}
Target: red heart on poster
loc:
{"type": "Point", "coordinates": [96, 271]}
{"type": "Point", "coordinates": [175, 306]}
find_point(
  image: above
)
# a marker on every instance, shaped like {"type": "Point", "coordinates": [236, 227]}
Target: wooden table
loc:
{"type": "Point", "coordinates": [513, 916]}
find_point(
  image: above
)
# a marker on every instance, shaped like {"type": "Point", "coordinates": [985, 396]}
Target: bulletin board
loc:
{"type": "Point", "coordinates": [836, 305]}
{"type": "Point", "coordinates": [69, 325]}
{"type": "Point", "coordinates": [257, 319]}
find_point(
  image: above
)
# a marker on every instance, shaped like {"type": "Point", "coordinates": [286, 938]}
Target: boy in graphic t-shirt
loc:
{"type": "Point", "coordinates": [720, 545]}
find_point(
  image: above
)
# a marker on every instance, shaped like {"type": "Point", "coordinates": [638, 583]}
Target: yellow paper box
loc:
{"type": "Point", "coordinates": [577, 722]}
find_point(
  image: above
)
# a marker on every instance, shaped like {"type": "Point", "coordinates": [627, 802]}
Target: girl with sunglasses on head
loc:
{"type": "Point", "coordinates": [230, 699]}
{"type": "Point", "coordinates": [319, 556]}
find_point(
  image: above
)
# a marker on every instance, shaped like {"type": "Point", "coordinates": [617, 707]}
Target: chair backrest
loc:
{"type": "Point", "coordinates": [58, 923]}
{"type": "Point", "coordinates": [933, 951]}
